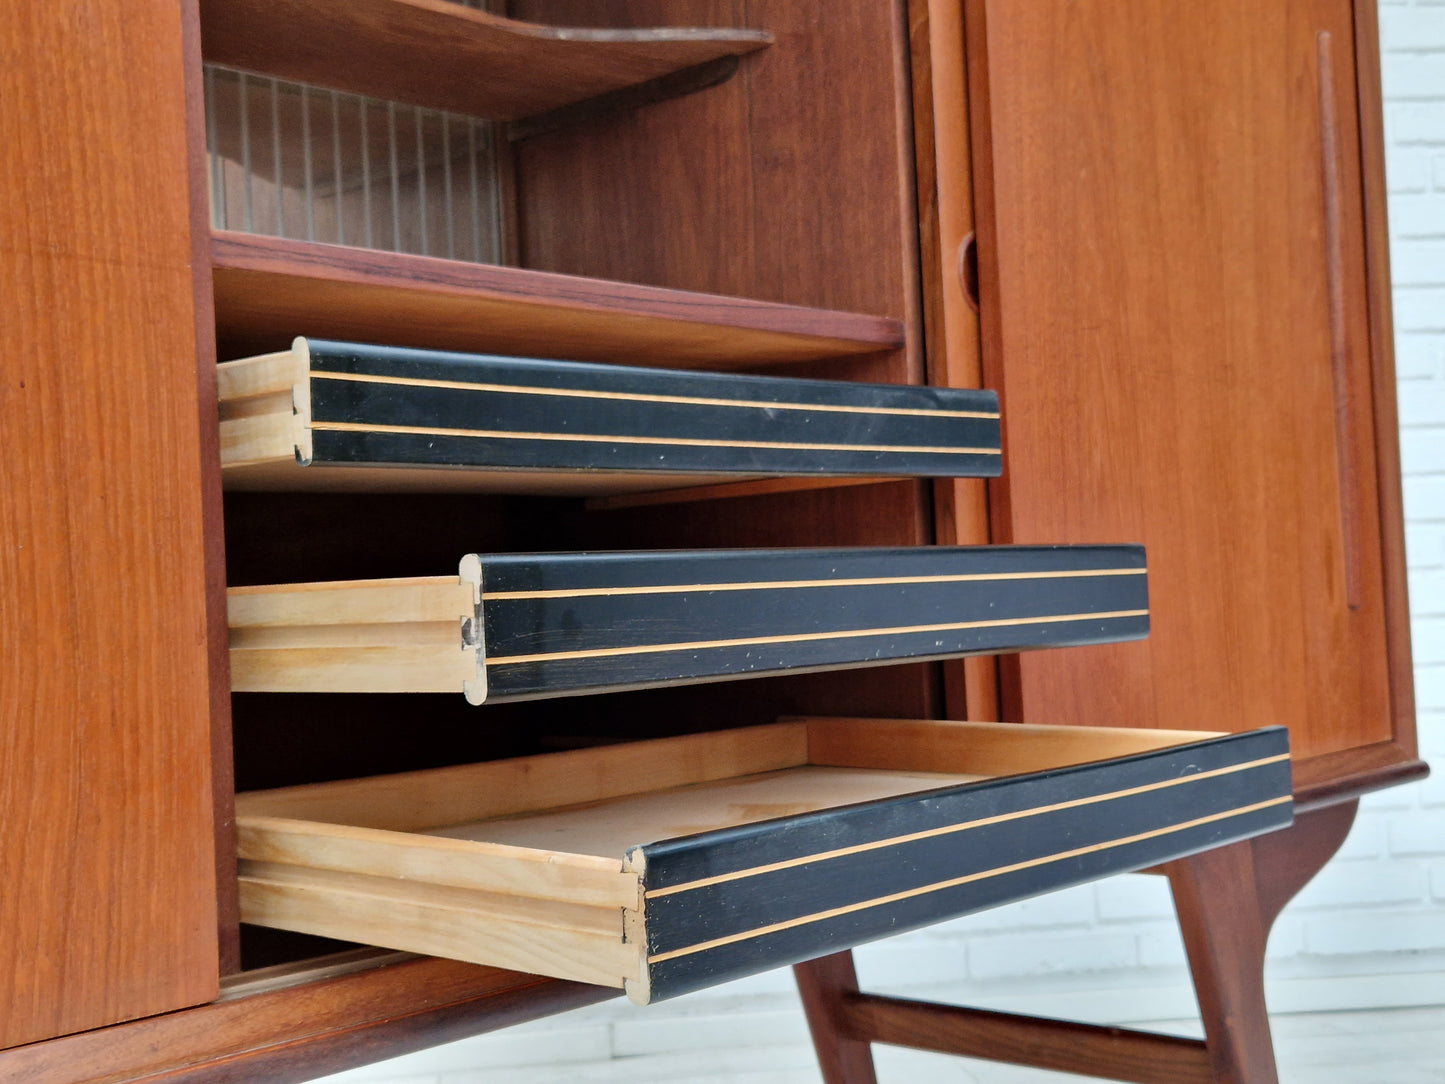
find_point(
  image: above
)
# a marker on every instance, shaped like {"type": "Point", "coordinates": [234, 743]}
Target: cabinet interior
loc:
{"type": "Point", "coordinates": [786, 184]}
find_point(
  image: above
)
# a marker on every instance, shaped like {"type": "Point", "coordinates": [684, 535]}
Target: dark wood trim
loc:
{"type": "Point", "coordinates": [1225, 932]}
{"type": "Point", "coordinates": [1284, 862]}
{"type": "Point", "coordinates": [212, 515]}
{"type": "Point", "coordinates": [905, 162]}
{"type": "Point", "coordinates": [302, 1031]}
{"type": "Point", "coordinates": [676, 84]}
{"type": "Point", "coordinates": [1005, 694]}
{"type": "Point", "coordinates": [990, 310]}
{"type": "Point", "coordinates": [1344, 775]}
{"type": "Point", "coordinates": [1061, 1045]}
{"type": "Point", "coordinates": [1382, 358]}
{"type": "Point", "coordinates": [828, 987]}
{"type": "Point", "coordinates": [451, 57]}
{"type": "Point", "coordinates": [925, 187]}
{"type": "Point", "coordinates": [1227, 900]}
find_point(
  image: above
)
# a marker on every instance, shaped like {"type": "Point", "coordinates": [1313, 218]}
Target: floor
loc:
{"type": "Point", "coordinates": [1391, 1046]}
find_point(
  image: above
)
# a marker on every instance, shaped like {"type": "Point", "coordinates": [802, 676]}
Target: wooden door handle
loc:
{"type": "Point", "coordinates": [968, 269]}
{"type": "Point", "coordinates": [1339, 339]}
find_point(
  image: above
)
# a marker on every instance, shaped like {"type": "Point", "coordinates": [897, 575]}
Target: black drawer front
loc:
{"type": "Point", "coordinates": [379, 405]}
{"type": "Point", "coordinates": [567, 623]}
{"type": "Point", "coordinates": [726, 904]}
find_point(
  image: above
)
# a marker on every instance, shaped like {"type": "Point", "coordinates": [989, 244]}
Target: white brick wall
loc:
{"type": "Point", "coordinates": [1368, 932]}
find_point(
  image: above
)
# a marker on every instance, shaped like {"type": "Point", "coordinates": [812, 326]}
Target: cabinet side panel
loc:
{"type": "Point", "coordinates": [107, 871]}
{"type": "Point", "coordinates": [1174, 313]}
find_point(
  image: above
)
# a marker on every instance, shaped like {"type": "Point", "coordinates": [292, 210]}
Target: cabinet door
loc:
{"type": "Point", "coordinates": [1175, 309]}
{"type": "Point", "coordinates": [107, 859]}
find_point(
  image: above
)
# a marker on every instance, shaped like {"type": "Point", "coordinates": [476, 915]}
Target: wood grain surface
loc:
{"type": "Point", "coordinates": [270, 290]}
{"type": "Point", "coordinates": [1371, 117]}
{"type": "Point", "coordinates": [796, 186]}
{"type": "Point", "coordinates": [1113, 1053]}
{"type": "Point", "coordinates": [843, 1057]}
{"type": "Point", "coordinates": [445, 56]}
{"type": "Point", "coordinates": [795, 183]}
{"type": "Point", "coordinates": [951, 323]}
{"type": "Point", "coordinates": [108, 870]}
{"type": "Point", "coordinates": [284, 1030]}
{"type": "Point", "coordinates": [1153, 221]}
{"type": "Point", "coordinates": [1227, 900]}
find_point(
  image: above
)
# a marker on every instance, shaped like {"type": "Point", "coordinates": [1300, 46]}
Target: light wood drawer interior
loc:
{"type": "Point", "coordinates": [669, 865]}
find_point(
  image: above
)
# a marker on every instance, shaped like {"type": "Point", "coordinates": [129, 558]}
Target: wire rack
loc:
{"type": "Point", "coordinates": [291, 160]}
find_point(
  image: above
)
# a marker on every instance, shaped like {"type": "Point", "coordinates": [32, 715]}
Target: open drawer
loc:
{"type": "Point", "coordinates": [347, 416]}
{"type": "Point", "coordinates": [670, 865]}
{"type": "Point", "coordinates": [526, 626]}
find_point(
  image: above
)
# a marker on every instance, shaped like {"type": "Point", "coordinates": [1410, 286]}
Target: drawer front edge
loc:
{"type": "Point", "coordinates": [383, 405]}
{"type": "Point", "coordinates": [720, 905]}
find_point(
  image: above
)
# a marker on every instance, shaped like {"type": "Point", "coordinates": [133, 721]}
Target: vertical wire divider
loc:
{"type": "Point", "coordinates": [451, 218]}
{"type": "Point", "coordinates": [249, 217]}
{"type": "Point", "coordinates": [336, 186]}
{"type": "Point", "coordinates": [366, 174]}
{"type": "Point", "coordinates": [421, 180]}
{"type": "Point", "coordinates": [310, 188]}
{"type": "Point", "coordinates": [476, 199]}
{"type": "Point", "coordinates": [278, 177]}
{"type": "Point", "coordinates": [213, 151]}
{"type": "Point", "coordinates": [395, 178]}
{"type": "Point", "coordinates": [494, 158]}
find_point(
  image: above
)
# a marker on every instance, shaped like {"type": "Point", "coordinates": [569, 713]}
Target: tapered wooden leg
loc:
{"type": "Point", "coordinates": [1227, 900]}
{"type": "Point", "coordinates": [824, 984]}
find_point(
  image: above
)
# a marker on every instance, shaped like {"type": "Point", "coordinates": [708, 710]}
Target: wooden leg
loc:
{"type": "Point", "coordinates": [1227, 900]}
{"type": "Point", "coordinates": [824, 984]}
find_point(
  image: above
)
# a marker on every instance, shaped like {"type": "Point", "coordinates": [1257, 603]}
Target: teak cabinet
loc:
{"type": "Point", "coordinates": [1158, 233]}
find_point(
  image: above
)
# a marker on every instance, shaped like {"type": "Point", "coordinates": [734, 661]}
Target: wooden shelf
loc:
{"type": "Point", "coordinates": [671, 865]}
{"type": "Point", "coordinates": [268, 289]}
{"type": "Point", "coordinates": [441, 55]}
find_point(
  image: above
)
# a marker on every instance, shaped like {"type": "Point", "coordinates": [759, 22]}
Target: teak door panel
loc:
{"type": "Point", "coordinates": [108, 903]}
{"type": "Point", "coordinates": [1174, 312]}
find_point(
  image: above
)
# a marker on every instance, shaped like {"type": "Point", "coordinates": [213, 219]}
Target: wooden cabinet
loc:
{"type": "Point", "coordinates": [1173, 223]}
{"type": "Point", "coordinates": [111, 697]}
{"type": "Point", "coordinates": [1184, 311]}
